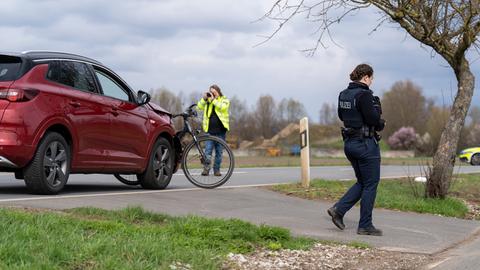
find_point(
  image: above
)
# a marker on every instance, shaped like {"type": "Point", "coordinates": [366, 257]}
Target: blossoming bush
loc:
{"type": "Point", "coordinates": [403, 139]}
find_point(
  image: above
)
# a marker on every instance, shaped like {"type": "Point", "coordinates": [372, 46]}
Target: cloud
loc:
{"type": "Point", "coordinates": [188, 45]}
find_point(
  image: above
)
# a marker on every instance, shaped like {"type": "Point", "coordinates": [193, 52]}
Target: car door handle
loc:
{"type": "Point", "coordinates": [114, 111]}
{"type": "Point", "coordinates": [75, 104]}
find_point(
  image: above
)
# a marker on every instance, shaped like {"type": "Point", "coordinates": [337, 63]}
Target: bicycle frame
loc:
{"type": "Point", "coordinates": [187, 129]}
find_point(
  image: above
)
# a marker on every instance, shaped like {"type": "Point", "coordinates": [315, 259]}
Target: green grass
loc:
{"type": "Point", "coordinates": [88, 238]}
{"type": "Point", "coordinates": [466, 186]}
{"type": "Point", "coordinates": [291, 161]}
{"type": "Point", "coordinates": [392, 194]}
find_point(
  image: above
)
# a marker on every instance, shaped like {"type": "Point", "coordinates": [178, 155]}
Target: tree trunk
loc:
{"type": "Point", "coordinates": [444, 159]}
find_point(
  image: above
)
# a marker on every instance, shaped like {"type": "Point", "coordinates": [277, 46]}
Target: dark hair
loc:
{"type": "Point", "coordinates": [216, 87]}
{"type": "Point", "coordinates": [361, 71]}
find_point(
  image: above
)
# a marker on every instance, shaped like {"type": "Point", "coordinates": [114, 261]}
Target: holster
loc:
{"type": "Point", "coordinates": [363, 132]}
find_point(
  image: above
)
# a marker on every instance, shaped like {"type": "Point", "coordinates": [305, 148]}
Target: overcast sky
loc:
{"type": "Point", "coordinates": [188, 45]}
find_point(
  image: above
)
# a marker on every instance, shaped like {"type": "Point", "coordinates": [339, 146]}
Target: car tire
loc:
{"type": "Point", "coordinates": [48, 172]}
{"type": "Point", "coordinates": [160, 166]}
{"type": "Point", "coordinates": [475, 160]}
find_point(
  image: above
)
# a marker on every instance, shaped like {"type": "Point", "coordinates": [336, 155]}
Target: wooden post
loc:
{"type": "Point", "coordinates": [305, 152]}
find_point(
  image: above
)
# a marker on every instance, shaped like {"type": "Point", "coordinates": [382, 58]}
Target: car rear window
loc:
{"type": "Point", "coordinates": [9, 68]}
{"type": "Point", "coordinates": [73, 74]}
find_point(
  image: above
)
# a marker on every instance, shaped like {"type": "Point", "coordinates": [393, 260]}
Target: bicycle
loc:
{"type": "Point", "coordinates": [193, 158]}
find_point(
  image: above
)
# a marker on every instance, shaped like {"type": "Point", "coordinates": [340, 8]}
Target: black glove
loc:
{"type": "Point", "coordinates": [380, 126]}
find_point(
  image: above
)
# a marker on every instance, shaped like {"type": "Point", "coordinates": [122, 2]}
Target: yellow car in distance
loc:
{"type": "Point", "coordinates": [470, 155]}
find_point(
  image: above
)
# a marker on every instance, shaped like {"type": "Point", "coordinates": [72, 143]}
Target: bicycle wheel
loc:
{"type": "Point", "coordinates": [215, 170]}
{"type": "Point", "coordinates": [127, 179]}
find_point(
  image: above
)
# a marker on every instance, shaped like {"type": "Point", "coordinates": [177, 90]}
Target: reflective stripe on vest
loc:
{"type": "Point", "coordinates": [222, 105]}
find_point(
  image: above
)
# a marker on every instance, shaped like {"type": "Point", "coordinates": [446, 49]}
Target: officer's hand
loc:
{"type": "Point", "coordinates": [381, 125]}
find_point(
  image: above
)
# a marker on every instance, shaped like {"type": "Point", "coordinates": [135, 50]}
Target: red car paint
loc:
{"type": "Point", "coordinates": [106, 135]}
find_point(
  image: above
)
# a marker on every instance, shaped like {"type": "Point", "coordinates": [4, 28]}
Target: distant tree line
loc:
{"type": "Point", "coordinates": [405, 109]}
{"type": "Point", "coordinates": [262, 120]}
{"type": "Point", "coordinates": [409, 113]}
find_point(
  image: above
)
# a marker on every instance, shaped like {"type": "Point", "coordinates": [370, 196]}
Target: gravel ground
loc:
{"type": "Point", "coordinates": [473, 210]}
{"type": "Point", "coordinates": [327, 257]}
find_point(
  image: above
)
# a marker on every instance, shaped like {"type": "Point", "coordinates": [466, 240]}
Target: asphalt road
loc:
{"type": "Point", "coordinates": [409, 232]}
{"type": "Point", "coordinates": [81, 184]}
{"type": "Point", "coordinates": [465, 256]}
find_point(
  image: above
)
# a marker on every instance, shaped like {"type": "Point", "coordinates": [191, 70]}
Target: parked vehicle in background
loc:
{"type": "Point", "coordinates": [62, 113]}
{"type": "Point", "coordinates": [470, 155]}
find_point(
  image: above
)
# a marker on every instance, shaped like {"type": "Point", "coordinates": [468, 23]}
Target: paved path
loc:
{"type": "Point", "coordinates": [403, 231]}
{"type": "Point", "coordinates": [96, 183]}
{"type": "Point", "coordinates": [409, 232]}
{"type": "Point", "coordinates": [466, 256]}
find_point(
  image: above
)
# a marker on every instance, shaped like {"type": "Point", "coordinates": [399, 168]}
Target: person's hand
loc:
{"type": "Point", "coordinates": [214, 93]}
{"type": "Point", "coordinates": [206, 96]}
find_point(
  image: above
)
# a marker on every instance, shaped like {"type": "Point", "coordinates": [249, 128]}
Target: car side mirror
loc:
{"type": "Point", "coordinates": [143, 97]}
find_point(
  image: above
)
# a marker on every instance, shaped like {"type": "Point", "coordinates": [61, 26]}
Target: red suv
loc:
{"type": "Point", "coordinates": [62, 113]}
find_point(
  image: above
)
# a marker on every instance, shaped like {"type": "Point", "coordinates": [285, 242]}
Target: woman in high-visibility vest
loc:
{"type": "Point", "coordinates": [215, 108]}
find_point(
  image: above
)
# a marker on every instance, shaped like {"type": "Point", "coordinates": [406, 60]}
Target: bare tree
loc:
{"type": "Point", "coordinates": [239, 117]}
{"type": "Point", "coordinates": [266, 115]}
{"type": "Point", "coordinates": [192, 98]}
{"type": "Point", "coordinates": [290, 110]}
{"type": "Point", "coordinates": [438, 117]}
{"type": "Point", "coordinates": [474, 116]}
{"type": "Point", "coordinates": [328, 114]}
{"type": "Point", "coordinates": [404, 106]}
{"type": "Point", "coordinates": [169, 101]}
{"type": "Point", "coordinates": [449, 27]}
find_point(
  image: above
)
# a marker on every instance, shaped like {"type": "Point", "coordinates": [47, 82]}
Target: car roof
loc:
{"type": "Point", "coordinates": [51, 55]}
{"type": "Point", "coordinates": [40, 56]}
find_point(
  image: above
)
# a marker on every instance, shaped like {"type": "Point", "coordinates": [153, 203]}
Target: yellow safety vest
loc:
{"type": "Point", "coordinates": [221, 104]}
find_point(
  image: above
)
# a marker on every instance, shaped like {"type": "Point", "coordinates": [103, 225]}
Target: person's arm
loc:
{"type": "Point", "coordinates": [201, 104]}
{"type": "Point", "coordinates": [371, 116]}
{"type": "Point", "coordinates": [222, 104]}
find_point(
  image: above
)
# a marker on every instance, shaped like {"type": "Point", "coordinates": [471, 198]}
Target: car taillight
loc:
{"type": "Point", "coordinates": [18, 95]}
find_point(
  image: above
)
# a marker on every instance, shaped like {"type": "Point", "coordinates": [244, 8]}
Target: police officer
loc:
{"type": "Point", "coordinates": [360, 112]}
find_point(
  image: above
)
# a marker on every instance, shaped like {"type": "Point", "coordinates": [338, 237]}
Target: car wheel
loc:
{"type": "Point", "coordinates": [475, 161]}
{"type": "Point", "coordinates": [48, 172]}
{"type": "Point", "coordinates": [160, 166]}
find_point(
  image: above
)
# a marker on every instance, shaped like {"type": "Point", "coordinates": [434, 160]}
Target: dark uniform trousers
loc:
{"type": "Point", "coordinates": [364, 154]}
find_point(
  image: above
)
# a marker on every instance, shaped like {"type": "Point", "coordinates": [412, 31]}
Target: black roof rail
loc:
{"type": "Point", "coordinates": [45, 55]}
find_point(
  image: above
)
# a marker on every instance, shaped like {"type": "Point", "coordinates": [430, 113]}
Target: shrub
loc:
{"type": "Point", "coordinates": [403, 139]}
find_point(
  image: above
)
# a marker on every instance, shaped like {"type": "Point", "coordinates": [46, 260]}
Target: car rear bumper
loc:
{"type": "Point", "coordinates": [465, 157]}
{"type": "Point", "coordinates": [15, 157]}
{"type": "Point", "coordinates": [6, 163]}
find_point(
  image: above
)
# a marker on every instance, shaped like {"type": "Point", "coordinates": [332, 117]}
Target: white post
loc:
{"type": "Point", "coordinates": [305, 152]}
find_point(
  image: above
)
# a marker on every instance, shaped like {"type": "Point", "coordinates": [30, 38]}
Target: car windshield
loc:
{"type": "Point", "coordinates": [9, 68]}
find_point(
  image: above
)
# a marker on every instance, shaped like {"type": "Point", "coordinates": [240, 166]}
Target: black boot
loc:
{"type": "Point", "coordinates": [370, 231]}
{"type": "Point", "coordinates": [336, 218]}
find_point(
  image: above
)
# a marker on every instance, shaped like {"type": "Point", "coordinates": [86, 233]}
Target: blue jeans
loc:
{"type": "Point", "coordinates": [210, 145]}
{"type": "Point", "coordinates": [364, 155]}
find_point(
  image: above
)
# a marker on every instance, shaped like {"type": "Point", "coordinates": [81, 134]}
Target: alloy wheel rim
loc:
{"type": "Point", "coordinates": [55, 163]}
{"type": "Point", "coordinates": [161, 165]}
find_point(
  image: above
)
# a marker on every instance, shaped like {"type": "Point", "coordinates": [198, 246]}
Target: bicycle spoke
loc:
{"type": "Point", "coordinates": [208, 176]}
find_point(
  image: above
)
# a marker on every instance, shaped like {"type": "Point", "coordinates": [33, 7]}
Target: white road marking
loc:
{"type": "Point", "coordinates": [164, 191]}
{"type": "Point", "coordinates": [385, 177]}
{"type": "Point", "coordinates": [125, 193]}
{"type": "Point", "coordinates": [182, 174]}
{"type": "Point", "coordinates": [435, 264]}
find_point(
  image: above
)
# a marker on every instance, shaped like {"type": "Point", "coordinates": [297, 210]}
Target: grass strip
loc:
{"type": "Point", "coordinates": [294, 161]}
{"type": "Point", "coordinates": [89, 238]}
{"type": "Point", "coordinates": [398, 194]}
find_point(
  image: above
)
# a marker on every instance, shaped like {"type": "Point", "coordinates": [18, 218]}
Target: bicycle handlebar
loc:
{"type": "Point", "coordinates": [189, 112]}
